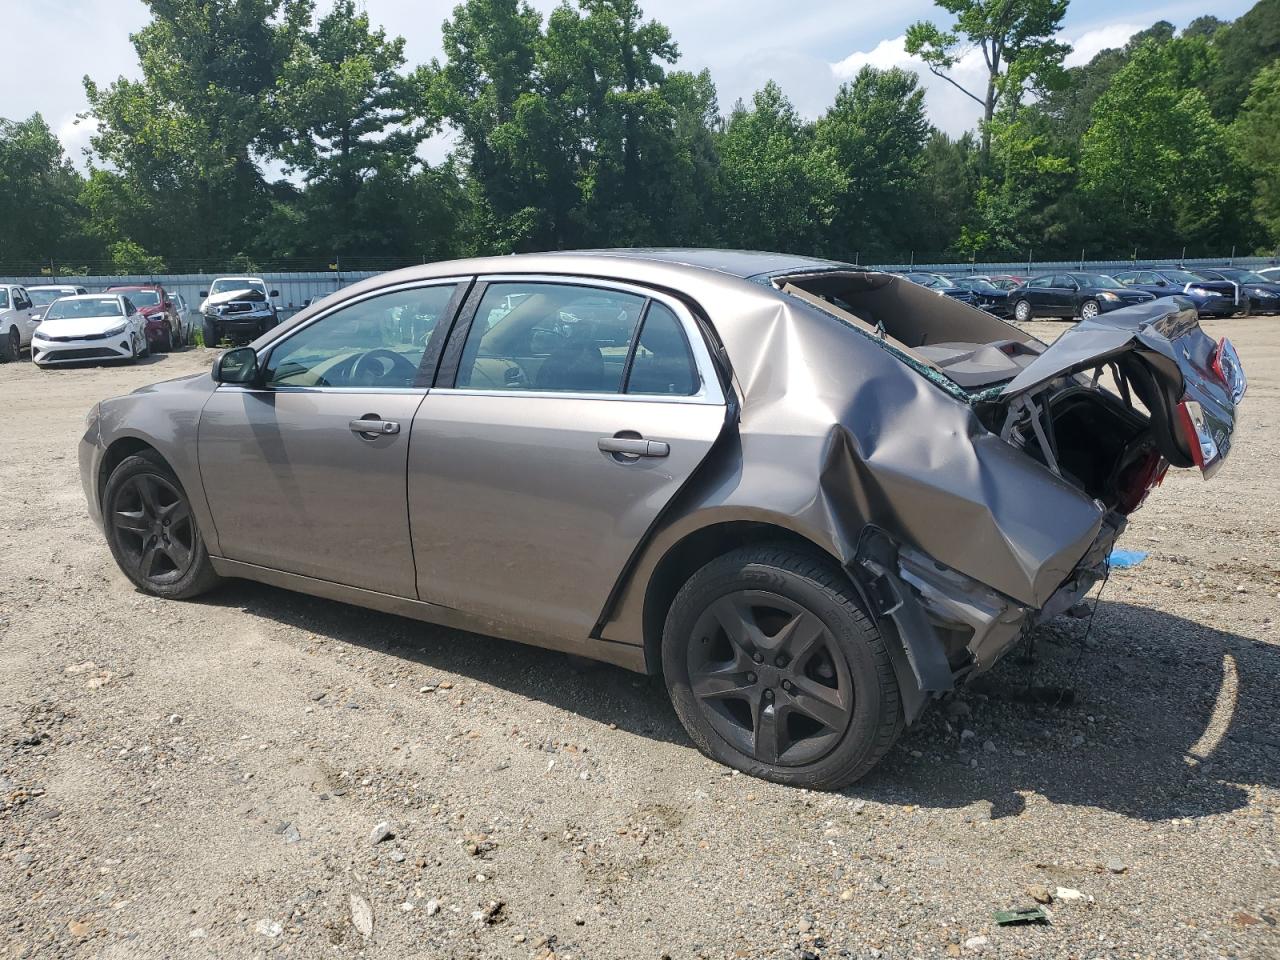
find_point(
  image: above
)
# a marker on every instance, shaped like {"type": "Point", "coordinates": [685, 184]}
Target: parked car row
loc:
{"type": "Point", "coordinates": [1216, 292]}
{"type": "Point", "coordinates": [63, 323]}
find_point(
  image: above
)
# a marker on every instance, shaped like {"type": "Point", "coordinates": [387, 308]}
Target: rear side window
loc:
{"type": "Point", "coordinates": [4, 298]}
{"type": "Point", "coordinates": [663, 363]}
{"type": "Point", "coordinates": [548, 337]}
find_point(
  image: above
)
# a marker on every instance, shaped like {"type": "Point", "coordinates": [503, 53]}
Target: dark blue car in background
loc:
{"type": "Point", "coordinates": [940, 283]}
{"type": "Point", "coordinates": [985, 294]}
{"type": "Point", "coordinates": [1257, 293]}
{"type": "Point", "coordinates": [1213, 298]}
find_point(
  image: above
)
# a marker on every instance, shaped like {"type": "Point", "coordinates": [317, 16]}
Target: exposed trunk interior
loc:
{"type": "Point", "coordinates": [1097, 433]}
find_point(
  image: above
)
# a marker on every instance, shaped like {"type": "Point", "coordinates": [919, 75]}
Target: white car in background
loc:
{"type": "Point", "coordinates": [93, 326]}
{"type": "Point", "coordinates": [18, 320]}
{"type": "Point", "coordinates": [44, 295]}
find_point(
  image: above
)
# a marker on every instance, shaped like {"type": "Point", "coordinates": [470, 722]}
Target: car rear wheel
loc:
{"type": "Point", "coordinates": [1022, 311]}
{"type": "Point", "coordinates": [152, 532]}
{"type": "Point", "coordinates": [775, 670]}
{"type": "Point", "coordinates": [1089, 309]}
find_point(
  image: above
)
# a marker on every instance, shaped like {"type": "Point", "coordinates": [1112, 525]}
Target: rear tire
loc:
{"type": "Point", "coordinates": [806, 694]}
{"type": "Point", "coordinates": [152, 532]}
{"type": "Point", "coordinates": [1022, 311]}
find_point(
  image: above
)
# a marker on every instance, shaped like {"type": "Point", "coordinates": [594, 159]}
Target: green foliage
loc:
{"type": "Point", "coordinates": [1154, 159]}
{"type": "Point", "coordinates": [39, 195]}
{"type": "Point", "coordinates": [1018, 45]}
{"type": "Point", "coordinates": [1255, 134]}
{"type": "Point", "coordinates": [779, 187]}
{"type": "Point", "coordinates": [580, 130]}
{"type": "Point", "coordinates": [876, 131]}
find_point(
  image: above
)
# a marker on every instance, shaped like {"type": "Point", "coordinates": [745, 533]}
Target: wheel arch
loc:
{"type": "Point", "coordinates": [117, 452]}
{"type": "Point", "coordinates": [693, 551]}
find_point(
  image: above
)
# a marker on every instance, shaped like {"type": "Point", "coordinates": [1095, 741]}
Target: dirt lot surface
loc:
{"type": "Point", "coordinates": [208, 779]}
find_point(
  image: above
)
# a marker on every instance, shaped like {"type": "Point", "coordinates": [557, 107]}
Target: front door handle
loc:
{"type": "Point", "coordinates": [371, 427]}
{"type": "Point", "coordinates": [633, 446]}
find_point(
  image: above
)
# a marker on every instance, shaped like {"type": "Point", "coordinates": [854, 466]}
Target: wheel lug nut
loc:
{"type": "Point", "coordinates": [781, 661]}
{"type": "Point", "coordinates": [768, 694]}
{"type": "Point", "coordinates": [786, 684]}
{"type": "Point", "coordinates": [757, 657]}
{"type": "Point", "coordinates": [751, 678]}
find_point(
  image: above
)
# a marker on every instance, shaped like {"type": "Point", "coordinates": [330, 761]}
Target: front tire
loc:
{"type": "Point", "coordinates": [152, 532]}
{"type": "Point", "coordinates": [1022, 311]}
{"type": "Point", "coordinates": [165, 343]}
{"type": "Point", "coordinates": [11, 348]}
{"type": "Point", "coordinates": [774, 669]}
{"type": "Point", "coordinates": [1089, 310]}
{"type": "Point", "coordinates": [211, 337]}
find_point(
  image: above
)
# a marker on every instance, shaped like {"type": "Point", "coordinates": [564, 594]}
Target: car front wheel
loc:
{"type": "Point", "coordinates": [152, 532]}
{"type": "Point", "coordinates": [211, 336]}
{"type": "Point", "coordinates": [1022, 311]}
{"type": "Point", "coordinates": [775, 670]}
{"type": "Point", "coordinates": [1089, 310]}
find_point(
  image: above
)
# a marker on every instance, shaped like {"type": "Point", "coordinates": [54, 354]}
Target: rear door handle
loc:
{"type": "Point", "coordinates": [369, 428]}
{"type": "Point", "coordinates": [634, 446]}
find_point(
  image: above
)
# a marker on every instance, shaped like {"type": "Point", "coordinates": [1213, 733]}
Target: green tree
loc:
{"type": "Point", "coordinates": [1255, 134]}
{"type": "Point", "coordinates": [877, 131]}
{"type": "Point", "coordinates": [348, 122]}
{"type": "Point", "coordinates": [487, 89]}
{"type": "Point", "coordinates": [1155, 163]}
{"type": "Point", "coordinates": [181, 146]}
{"type": "Point", "coordinates": [1016, 38]}
{"type": "Point", "coordinates": [1244, 47]}
{"type": "Point", "coordinates": [779, 188]}
{"type": "Point", "coordinates": [41, 216]}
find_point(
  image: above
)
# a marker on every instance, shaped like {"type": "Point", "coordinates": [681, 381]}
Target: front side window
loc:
{"type": "Point", "coordinates": [1040, 282]}
{"type": "Point", "coordinates": [550, 337]}
{"type": "Point", "coordinates": [375, 343]}
{"type": "Point", "coordinates": [4, 298]}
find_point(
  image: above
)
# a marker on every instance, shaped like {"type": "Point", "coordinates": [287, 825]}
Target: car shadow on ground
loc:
{"type": "Point", "coordinates": [1183, 715]}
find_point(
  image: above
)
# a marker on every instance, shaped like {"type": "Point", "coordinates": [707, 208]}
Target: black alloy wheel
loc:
{"type": "Point", "coordinates": [776, 670]}
{"type": "Point", "coordinates": [153, 526]}
{"type": "Point", "coordinates": [768, 677]}
{"type": "Point", "coordinates": [152, 532]}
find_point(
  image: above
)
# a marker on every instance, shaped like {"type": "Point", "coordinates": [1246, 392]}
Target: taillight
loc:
{"type": "Point", "coordinates": [1226, 364]}
{"type": "Point", "coordinates": [1139, 480]}
{"type": "Point", "coordinates": [1196, 432]}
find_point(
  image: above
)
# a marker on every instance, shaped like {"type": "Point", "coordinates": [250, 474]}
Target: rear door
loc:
{"type": "Point", "coordinates": [306, 472]}
{"type": "Point", "coordinates": [566, 415]}
{"type": "Point", "coordinates": [1039, 294]}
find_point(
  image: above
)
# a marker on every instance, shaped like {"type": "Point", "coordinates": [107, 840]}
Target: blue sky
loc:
{"type": "Point", "coordinates": [808, 48]}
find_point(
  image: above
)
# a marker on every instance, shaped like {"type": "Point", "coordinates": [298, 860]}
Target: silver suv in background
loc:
{"type": "Point", "coordinates": [237, 309]}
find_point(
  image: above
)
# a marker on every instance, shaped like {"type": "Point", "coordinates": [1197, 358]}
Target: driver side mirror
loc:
{"type": "Point", "coordinates": [238, 366]}
{"type": "Point", "coordinates": [1161, 283]}
{"type": "Point", "coordinates": [274, 294]}
{"type": "Point", "coordinates": [204, 293]}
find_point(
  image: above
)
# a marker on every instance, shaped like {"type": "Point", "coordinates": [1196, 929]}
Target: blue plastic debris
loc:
{"type": "Point", "coordinates": [1124, 559]}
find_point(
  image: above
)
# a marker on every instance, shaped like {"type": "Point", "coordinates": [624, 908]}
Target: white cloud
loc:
{"type": "Point", "coordinates": [1092, 42]}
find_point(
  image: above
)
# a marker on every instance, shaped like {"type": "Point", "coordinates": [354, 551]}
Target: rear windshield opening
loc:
{"type": "Point", "coordinates": [970, 348]}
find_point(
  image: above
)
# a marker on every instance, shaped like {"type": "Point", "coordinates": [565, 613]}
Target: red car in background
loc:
{"type": "Point", "coordinates": [166, 328]}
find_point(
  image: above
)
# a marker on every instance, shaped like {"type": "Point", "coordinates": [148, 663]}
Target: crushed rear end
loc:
{"type": "Point", "coordinates": [1106, 410]}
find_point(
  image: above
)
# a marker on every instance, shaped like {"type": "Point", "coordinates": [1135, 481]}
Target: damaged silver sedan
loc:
{"type": "Point", "coordinates": [813, 497]}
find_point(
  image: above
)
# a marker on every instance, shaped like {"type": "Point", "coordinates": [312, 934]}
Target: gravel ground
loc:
{"type": "Point", "coordinates": [263, 774]}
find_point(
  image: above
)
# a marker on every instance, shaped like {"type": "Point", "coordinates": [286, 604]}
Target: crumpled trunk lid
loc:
{"type": "Point", "coordinates": [1190, 384]}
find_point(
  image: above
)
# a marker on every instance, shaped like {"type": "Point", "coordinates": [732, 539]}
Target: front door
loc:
{"type": "Point", "coordinates": [577, 411]}
{"type": "Point", "coordinates": [305, 473]}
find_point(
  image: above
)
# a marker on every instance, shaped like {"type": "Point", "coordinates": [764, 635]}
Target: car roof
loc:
{"type": "Point", "coordinates": [53, 286]}
{"type": "Point", "coordinates": [746, 264]}
{"type": "Point", "coordinates": [114, 294]}
{"type": "Point", "coordinates": [116, 287]}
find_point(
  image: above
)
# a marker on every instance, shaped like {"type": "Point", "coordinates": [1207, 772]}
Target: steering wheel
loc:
{"type": "Point", "coordinates": [379, 366]}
